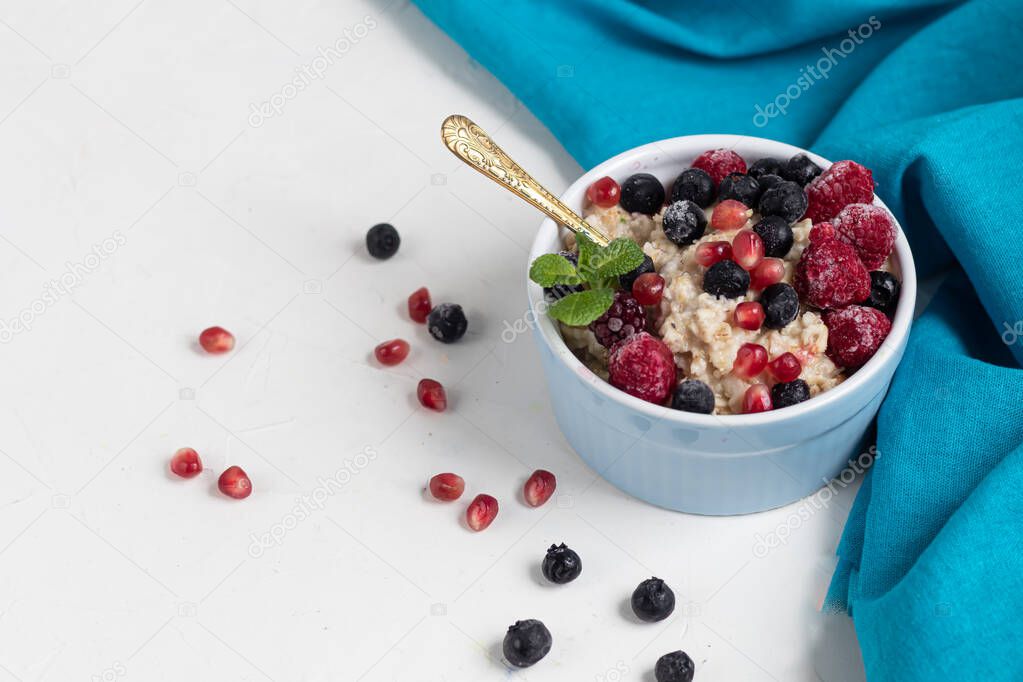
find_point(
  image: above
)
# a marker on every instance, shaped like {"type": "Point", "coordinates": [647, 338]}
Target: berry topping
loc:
{"type": "Point", "coordinates": [186, 463]}
{"type": "Point", "coordinates": [561, 565]}
{"type": "Point", "coordinates": [785, 367]}
{"type": "Point", "coordinates": [539, 487]}
{"type": "Point", "coordinates": [768, 271]}
{"type": "Point", "coordinates": [391, 352]}
{"type": "Point", "coordinates": [726, 278]}
{"type": "Point", "coordinates": [748, 249]}
{"type": "Point", "coordinates": [757, 398]}
{"type": "Point", "coordinates": [830, 275]}
{"type": "Point", "coordinates": [869, 229]}
{"type": "Point", "coordinates": [526, 643]}
{"type": "Point", "coordinates": [709, 253]}
{"type": "Point", "coordinates": [560, 291]}
{"type": "Point", "coordinates": [628, 279]}
{"type": "Point", "coordinates": [693, 395]}
{"type": "Point", "coordinates": [604, 192]}
{"type": "Point", "coordinates": [419, 305]}
{"type": "Point", "coordinates": [432, 395]}
{"type": "Point", "coordinates": [743, 188]}
{"type": "Point", "coordinates": [854, 334]}
{"type": "Point", "coordinates": [216, 340]}
{"type": "Point", "coordinates": [750, 360]}
{"type": "Point", "coordinates": [643, 367]}
{"type": "Point", "coordinates": [447, 487]}
{"type": "Point", "coordinates": [767, 182]}
{"type": "Point", "coordinates": [653, 600]}
{"type": "Point", "coordinates": [234, 482]}
{"type": "Point", "coordinates": [884, 292]}
{"type": "Point", "coordinates": [481, 512]}
{"type": "Point", "coordinates": [695, 185]}
{"type": "Point", "coordinates": [382, 241]}
{"type": "Point", "coordinates": [821, 232]}
{"type": "Point", "coordinates": [785, 199]}
{"type": "Point", "coordinates": [648, 289]}
{"type": "Point", "coordinates": [684, 222]}
{"type": "Point", "coordinates": [789, 393]}
{"type": "Point", "coordinates": [781, 305]}
{"type": "Point", "coordinates": [676, 666]}
{"type": "Point", "coordinates": [765, 166]}
{"type": "Point", "coordinates": [846, 182]}
{"type": "Point", "coordinates": [642, 193]}
{"type": "Point", "coordinates": [749, 315]}
{"type": "Point", "coordinates": [800, 170]}
{"type": "Point", "coordinates": [624, 318]}
{"type": "Point", "coordinates": [777, 236]}
{"type": "Point", "coordinates": [447, 322]}
{"type": "Point", "coordinates": [730, 215]}
{"type": "Point", "coordinates": [718, 163]}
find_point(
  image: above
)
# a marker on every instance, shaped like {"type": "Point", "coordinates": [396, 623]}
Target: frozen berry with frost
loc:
{"type": "Point", "coordinates": [830, 274]}
{"type": "Point", "coordinates": [692, 395]}
{"type": "Point", "coordinates": [674, 667]}
{"type": "Point", "coordinates": [869, 229]}
{"type": "Point", "coordinates": [743, 188]}
{"type": "Point", "coordinates": [730, 215]}
{"type": "Point", "coordinates": [781, 305]}
{"type": "Point", "coordinates": [854, 334]}
{"type": "Point", "coordinates": [216, 340]}
{"type": "Point", "coordinates": [234, 482]}
{"type": "Point", "coordinates": [767, 181]}
{"type": "Point", "coordinates": [765, 166]}
{"type": "Point", "coordinates": [382, 241]}
{"type": "Point", "coordinates": [767, 272]}
{"type": "Point", "coordinates": [447, 486]}
{"type": "Point", "coordinates": [800, 170]}
{"type": "Point", "coordinates": [561, 565]}
{"type": "Point", "coordinates": [643, 367]}
{"type": "Point", "coordinates": [186, 463]}
{"type": "Point", "coordinates": [653, 600]}
{"type": "Point", "coordinates": [481, 512]}
{"type": "Point", "coordinates": [526, 642]}
{"type": "Point", "coordinates": [748, 315]}
{"type": "Point", "coordinates": [695, 185]}
{"type": "Point", "coordinates": [821, 232]}
{"type": "Point", "coordinates": [718, 163]}
{"type": "Point", "coordinates": [624, 318]}
{"type": "Point", "coordinates": [684, 222]}
{"type": "Point", "coordinates": [726, 278]}
{"type": "Point", "coordinates": [844, 183]}
{"type": "Point", "coordinates": [391, 352]}
{"type": "Point", "coordinates": [604, 192]}
{"type": "Point", "coordinates": [432, 395]}
{"type": "Point", "coordinates": [419, 305]}
{"type": "Point", "coordinates": [747, 249]}
{"type": "Point", "coordinates": [642, 193]}
{"type": "Point", "coordinates": [628, 279]}
{"type": "Point", "coordinates": [756, 399]}
{"type": "Point", "coordinates": [539, 487]}
{"type": "Point", "coordinates": [709, 253]}
{"type": "Point", "coordinates": [777, 235]}
{"type": "Point", "coordinates": [789, 393]}
{"type": "Point", "coordinates": [785, 199]}
{"type": "Point", "coordinates": [648, 289]}
{"type": "Point", "coordinates": [785, 367]}
{"type": "Point", "coordinates": [447, 322]}
{"type": "Point", "coordinates": [750, 360]}
{"type": "Point", "coordinates": [884, 292]}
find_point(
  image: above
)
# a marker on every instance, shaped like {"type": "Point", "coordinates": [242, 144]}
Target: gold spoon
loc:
{"type": "Point", "coordinates": [471, 144]}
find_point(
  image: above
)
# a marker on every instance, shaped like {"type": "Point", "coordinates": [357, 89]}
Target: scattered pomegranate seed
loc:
{"type": "Point", "coordinates": [481, 512]}
{"type": "Point", "coordinates": [539, 487]}
{"type": "Point", "coordinates": [604, 192]}
{"type": "Point", "coordinates": [186, 463]}
{"type": "Point", "coordinates": [648, 288]}
{"type": "Point", "coordinates": [216, 340]}
{"type": "Point", "coordinates": [234, 482]}
{"type": "Point", "coordinates": [749, 315]}
{"type": "Point", "coordinates": [709, 253]}
{"type": "Point", "coordinates": [431, 395]}
{"type": "Point", "coordinates": [730, 215]}
{"type": "Point", "coordinates": [750, 360]}
{"type": "Point", "coordinates": [447, 487]}
{"type": "Point", "coordinates": [748, 249]}
{"type": "Point", "coordinates": [767, 272]}
{"type": "Point", "coordinates": [391, 352]}
{"type": "Point", "coordinates": [786, 367]}
{"type": "Point", "coordinates": [756, 399]}
{"type": "Point", "coordinates": [419, 305]}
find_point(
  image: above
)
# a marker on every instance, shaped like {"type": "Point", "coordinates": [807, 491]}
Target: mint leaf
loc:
{"type": "Point", "coordinates": [619, 257]}
{"type": "Point", "coordinates": [550, 268]}
{"type": "Point", "coordinates": [583, 307]}
{"type": "Point", "coordinates": [588, 252]}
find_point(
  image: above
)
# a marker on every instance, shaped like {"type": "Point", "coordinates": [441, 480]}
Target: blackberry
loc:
{"type": "Point", "coordinates": [447, 322]}
{"type": "Point", "coordinates": [675, 667]}
{"type": "Point", "coordinates": [626, 281]}
{"type": "Point", "coordinates": [786, 199]}
{"type": "Point", "coordinates": [695, 185]}
{"type": "Point", "coordinates": [653, 600]}
{"type": "Point", "coordinates": [776, 235]}
{"type": "Point", "coordinates": [790, 393]}
{"type": "Point", "coordinates": [765, 166]}
{"type": "Point", "coordinates": [526, 643]}
{"type": "Point", "coordinates": [561, 565]}
{"type": "Point", "coordinates": [624, 318]}
{"type": "Point", "coordinates": [684, 222]}
{"type": "Point", "coordinates": [726, 278]}
{"type": "Point", "coordinates": [642, 193]}
{"type": "Point", "coordinates": [800, 170]}
{"type": "Point", "coordinates": [741, 187]}
{"type": "Point", "coordinates": [780, 304]}
{"type": "Point", "coordinates": [560, 291]}
{"type": "Point", "coordinates": [693, 395]}
{"type": "Point", "coordinates": [884, 292]}
{"type": "Point", "coordinates": [382, 241]}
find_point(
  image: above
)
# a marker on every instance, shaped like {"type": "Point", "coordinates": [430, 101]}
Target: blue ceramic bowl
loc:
{"type": "Point", "coordinates": [711, 464]}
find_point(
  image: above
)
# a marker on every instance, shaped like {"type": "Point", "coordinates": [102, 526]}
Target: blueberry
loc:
{"type": "Point", "coordinates": [695, 185]}
{"type": "Point", "coordinates": [776, 235]}
{"type": "Point", "coordinates": [561, 565]}
{"type": "Point", "coordinates": [726, 278]}
{"type": "Point", "coordinates": [693, 395]}
{"type": "Point", "coordinates": [560, 291]}
{"type": "Point", "coordinates": [526, 643]}
{"type": "Point", "coordinates": [783, 395]}
{"type": "Point", "coordinates": [642, 193]}
{"type": "Point", "coordinates": [786, 199]}
{"type": "Point", "coordinates": [653, 600]}
{"type": "Point", "coordinates": [741, 187]}
{"type": "Point", "coordinates": [626, 280]}
{"type": "Point", "coordinates": [675, 667]}
{"type": "Point", "coordinates": [884, 292]}
{"type": "Point", "coordinates": [765, 166]}
{"type": "Point", "coordinates": [447, 322]}
{"type": "Point", "coordinates": [781, 305]}
{"type": "Point", "coordinates": [382, 241]}
{"type": "Point", "coordinates": [768, 181]}
{"type": "Point", "coordinates": [684, 222]}
{"type": "Point", "coordinates": [800, 170]}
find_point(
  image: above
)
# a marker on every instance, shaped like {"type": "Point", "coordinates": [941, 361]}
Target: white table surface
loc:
{"type": "Point", "coordinates": [130, 122]}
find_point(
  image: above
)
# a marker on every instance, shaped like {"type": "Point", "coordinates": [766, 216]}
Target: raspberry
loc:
{"type": "Point", "coordinates": [830, 275]}
{"type": "Point", "coordinates": [718, 163]}
{"type": "Point", "coordinates": [624, 318]}
{"type": "Point", "coordinates": [821, 232]}
{"type": "Point", "coordinates": [854, 334]}
{"type": "Point", "coordinates": [869, 229]}
{"type": "Point", "coordinates": [846, 182]}
{"type": "Point", "coordinates": [644, 367]}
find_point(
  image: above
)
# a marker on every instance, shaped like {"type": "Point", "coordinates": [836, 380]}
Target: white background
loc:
{"type": "Point", "coordinates": [131, 120]}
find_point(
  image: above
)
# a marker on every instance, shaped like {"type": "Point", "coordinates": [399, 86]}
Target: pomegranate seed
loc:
{"type": "Point", "coordinates": [786, 367]}
{"type": "Point", "coordinates": [709, 253]}
{"type": "Point", "coordinates": [234, 482]}
{"type": "Point", "coordinates": [419, 305]}
{"type": "Point", "coordinates": [648, 288]}
{"type": "Point", "coordinates": [750, 360]}
{"type": "Point", "coordinates": [431, 395]}
{"type": "Point", "coordinates": [730, 215]}
{"type": "Point", "coordinates": [748, 249]}
{"type": "Point", "coordinates": [481, 512]}
{"type": "Point", "coordinates": [767, 272]}
{"type": "Point", "coordinates": [391, 352]}
{"type": "Point", "coordinates": [186, 463]}
{"type": "Point", "coordinates": [604, 192]}
{"type": "Point", "coordinates": [539, 487]}
{"type": "Point", "coordinates": [756, 399]}
{"type": "Point", "coordinates": [447, 487]}
{"type": "Point", "coordinates": [216, 340]}
{"type": "Point", "coordinates": [749, 315]}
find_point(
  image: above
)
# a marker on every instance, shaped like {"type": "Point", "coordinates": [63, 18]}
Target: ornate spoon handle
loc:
{"type": "Point", "coordinates": [471, 144]}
